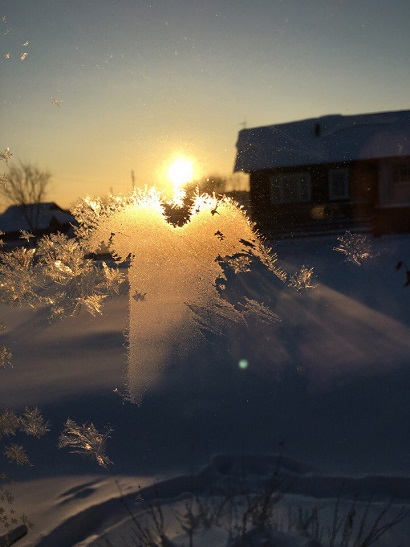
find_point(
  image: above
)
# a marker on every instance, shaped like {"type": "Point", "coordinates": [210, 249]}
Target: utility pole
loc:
{"type": "Point", "coordinates": [133, 179]}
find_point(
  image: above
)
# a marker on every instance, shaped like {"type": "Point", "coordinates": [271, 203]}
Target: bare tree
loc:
{"type": "Point", "coordinates": [26, 185]}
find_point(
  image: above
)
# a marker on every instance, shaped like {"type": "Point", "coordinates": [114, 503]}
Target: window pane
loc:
{"type": "Point", "coordinates": [338, 184]}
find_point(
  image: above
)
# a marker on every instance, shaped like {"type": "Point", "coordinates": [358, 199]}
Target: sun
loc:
{"type": "Point", "coordinates": [181, 171]}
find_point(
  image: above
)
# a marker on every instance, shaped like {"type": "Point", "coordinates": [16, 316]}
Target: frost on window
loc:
{"type": "Point", "coordinates": [176, 272]}
{"type": "Point", "coordinates": [179, 261]}
{"type": "Point", "coordinates": [30, 422]}
{"type": "Point", "coordinates": [15, 453]}
{"type": "Point", "coordinates": [5, 353]}
{"type": "Point", "coordinates": [257, 311]}
{"type": "Point", "coordinates": [303, 279]}
{"type": "Point", "coordinates": [86, 440]}
{"type": "Point", "coordinates": [355, 247]}
{"type": "Point", "coordinates": [56, 273]}
{"type": "Point", "coordinates": [56, 101]}
{"type": "Point", "coordinates": [6, 155]}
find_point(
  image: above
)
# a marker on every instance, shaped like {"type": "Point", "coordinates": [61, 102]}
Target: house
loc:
{"type": "Point", "coordinates": [329, 173]}
{"type": "Point", "coordinates": [36, 218]}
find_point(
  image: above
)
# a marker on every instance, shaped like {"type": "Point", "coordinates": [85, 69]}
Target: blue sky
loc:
{"type": "Point", "coordinates": [143, 81]}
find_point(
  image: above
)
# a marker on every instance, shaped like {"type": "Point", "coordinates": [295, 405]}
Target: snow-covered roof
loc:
{"type": "Point", "coordinates": [327, 139]}
{"type": "Point", "coordinates": [14, 217]}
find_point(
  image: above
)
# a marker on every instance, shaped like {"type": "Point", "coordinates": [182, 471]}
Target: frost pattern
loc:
{"type": "Point", "coordinates": [5, 353]}
{"type": "Point", "coordinates": [86, 440]}
{"type": "Point", "coordinates": [5, 357]}
{"type": "Point", "coordinates": [356, 247]}
{"type": "Point", "coordinates": [32, 423]}
{"type": "Point", "coordinates": [9, 422]}
{"type": "Point", "coordinates": [6, 155]}
{"type": "Point", "coordinates": [15, 453]}
{"type": "Point", "coordinates": [254, 311]}
{"type": "Point", "coordinates": [303, 279]}
{"type": "Point", "coordinates": [58, 274]}
{"type": "Point", "coordinates": [178, 255]}
{"type": "Point", "coordinates": [179, 265]}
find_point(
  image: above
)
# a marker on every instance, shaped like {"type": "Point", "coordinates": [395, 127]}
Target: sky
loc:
{"type": "Point", "coordinates": [140, 83]}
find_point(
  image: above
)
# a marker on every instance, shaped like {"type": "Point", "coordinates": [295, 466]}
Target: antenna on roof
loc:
{"type": "Point", "coordinates": [243, 124]}
{"type": "Point", "coordinates": [133, 179]}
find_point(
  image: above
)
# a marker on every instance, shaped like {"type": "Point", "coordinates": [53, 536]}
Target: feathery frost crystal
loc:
{"type": "Point", "coordinates": [179, 258]}
{"type": "Point", "coordinates": [176, 272]}
{"type": "Point", "coordinates": [356, 247]}
{"type": "Point", "coordinates": [85, 440]}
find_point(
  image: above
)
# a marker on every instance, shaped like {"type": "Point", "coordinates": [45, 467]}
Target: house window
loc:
{"type": "Point", "coordinates": [290, 188]}
{"type": "Point", "coordinates": [401, 174]}
{"type": "Point", "coordinates": [338, 184]}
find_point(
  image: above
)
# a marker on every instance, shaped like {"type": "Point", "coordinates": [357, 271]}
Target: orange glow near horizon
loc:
{"type": "Point", "coordinates": [181, 171]}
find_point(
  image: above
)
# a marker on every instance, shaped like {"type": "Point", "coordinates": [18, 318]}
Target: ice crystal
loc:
{"type": "Point", "coordinates": [356, 247]}
{"type": "Point", "coordinates": [3, 20]}
{"type": "Point", "coordinates": [9, 518]}
{"type": "Point", "coordinates": [32, 423]}
{"type": "Point", "coordinates": [177, 271]}
{"type": "Point", "coordinates": [85, 440]}
{"type": "Point", "coordinates": [92, 303]}
{"type": "Point", "coordinates": [58, 274]}
{"type": "Point", "coordinates": [56, 101]}
{"type": "Point", "coordinates": [215, 318]}
{"type": "Point", "coordinates": [5, 156]}
{"type": "Point", "coordinates": [72, 280]}
{"type": "Point", "coordinates": [5, 357]}
{"type": "Point", "coordinates": [253, 310]}
{"type": "Point", "coordinates": [24, 234]}
{"type": "Point", "coordinates": [23, 56]}
{"type": "Point", "coordinates": [240, 263]}
{"type": "Point", "coordinates": [25, 520]}
{"type": "Point", "coordinates": [9, 422]}
{"type": "Point", "coordinates": [5, 353]}
{"type": "Point", "coordinates": [16, 454]}
{"type": "Point", "coordinates": [174, 264]}
{"type": "Point", "coordinates": [303, 279]}
{"type": "Point", "coordinates": [7, 55]}
{"type": "Point", "coordinates": [17, 280]}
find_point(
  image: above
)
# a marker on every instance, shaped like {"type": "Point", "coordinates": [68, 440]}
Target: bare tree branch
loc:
{"type": "Point", "coordinates": [25, 185]}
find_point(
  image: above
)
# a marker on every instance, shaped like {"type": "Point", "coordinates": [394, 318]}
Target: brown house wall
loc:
{"type": "Point", "coordinates": [320, 213]}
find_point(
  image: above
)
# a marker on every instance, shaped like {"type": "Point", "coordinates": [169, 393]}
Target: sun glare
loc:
{"type": "Point", "coordinates": [180, 172]}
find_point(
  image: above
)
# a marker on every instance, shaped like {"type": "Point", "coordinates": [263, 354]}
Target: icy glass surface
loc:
{"type": "Point", "coordinates": [176, 273]}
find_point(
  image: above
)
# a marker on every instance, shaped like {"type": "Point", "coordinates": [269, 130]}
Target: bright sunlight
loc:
{"type": "Point", "coordinates": [181, 171]}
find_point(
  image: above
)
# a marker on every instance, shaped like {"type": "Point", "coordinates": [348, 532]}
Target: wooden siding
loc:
{"type": "Point", "coordinates": [320, 213]}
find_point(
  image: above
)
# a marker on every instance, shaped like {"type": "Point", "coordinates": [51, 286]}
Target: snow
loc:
{"type": "Point", "coordinates": [323, 403]}
{"type": "Point", "coordinates": [341, 139]}
{"type": "Point", "coordinates": [14, 218]}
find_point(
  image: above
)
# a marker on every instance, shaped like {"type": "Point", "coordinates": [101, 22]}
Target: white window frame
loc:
{"type": "Point", "coordinates": [332, 195]}
{"type": "Point", "coordinates": [277, 187]}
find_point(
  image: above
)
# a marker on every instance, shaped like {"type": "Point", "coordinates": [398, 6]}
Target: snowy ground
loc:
{"type": "Point", "coordinates": [327, 386]}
